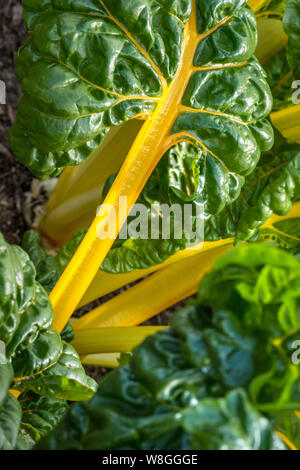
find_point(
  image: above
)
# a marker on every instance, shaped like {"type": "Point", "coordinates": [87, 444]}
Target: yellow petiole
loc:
{"type": "Point", "coordinates": [111, 340]}
{"type": "Point", "coordinates": [271, 38]}
{"type": "Point", "coordinates": [154, 294]}
{"type": "Point", "coordinates": [77, 195]}
{"type": "Point", "coordinates": [287, 121]}
{"type": "Point", "coordinates": [108, 360]}
{"type": "Point", "coordinates": [256, 5]}
{"type": "Point", "coordinates": [105, 283]}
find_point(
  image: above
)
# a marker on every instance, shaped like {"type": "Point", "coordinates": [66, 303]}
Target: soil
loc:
{"type": "Point", "coordinates": [15, 179]}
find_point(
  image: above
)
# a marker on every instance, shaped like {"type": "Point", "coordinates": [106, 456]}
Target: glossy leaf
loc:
{"type": "Point", "coordinates": [40, 415]}
{"type": "Point", "coordinates": [271, 189]}
{"type": "Point", "coordinates": [10, 410]}
{"type": "Point", "coordinates": [68, 105]}
{"type": "Point", "coordinates": [183, 386]}
{"type": "Point", "coordinates": [291, 22]}
{"type": "Point", "coordinates": [64, 379]}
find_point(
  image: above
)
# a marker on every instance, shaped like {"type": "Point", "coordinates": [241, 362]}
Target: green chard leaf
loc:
{"type": "Point", "coordinates": [36, 352]}
{"type": "Point", "coordinates": [10, 419]}
{"type": "Point", "coordinates": [90, 66]}
{"type": "Point", "coordinates": [47, 270]}
{"type": "Point", "coordinates": [204, 382]}
{"type": "Point", "coordinates": [234, 212]}
{"type": "Point", "coordinates": [40, 415]}
{"type": "Point", "coordinates": [10, 409]}
{"type": "Point", "coordinates": [271, 189]}
{"type": "Point", "coordinates": [288, 423]}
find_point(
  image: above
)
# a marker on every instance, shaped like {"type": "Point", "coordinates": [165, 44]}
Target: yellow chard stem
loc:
{"type": "Point", "coordinates": [287, 121]}
{"type": "Point", "coordinates": [111, 340]}
{"type": "Point", "coordinates": [108, 360]}
{"type": "Point", "coordinates": [150, 145]}
{"type": "Point", "coordinates": [14, 393]}
{"type": "Point", "coordinates": [154, 294]}
{"type": "Point", "coordinates": [77, 195]}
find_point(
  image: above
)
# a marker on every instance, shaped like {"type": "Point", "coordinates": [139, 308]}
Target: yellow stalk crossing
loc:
{"type": "Point", "coordinates": [108, 360]}
{"type": "Point", "coordinates": [111, 340]}
{"type": "Point", "coordinates": [77, 195]}
{"type": "Point", "coordinates": [154, 294]}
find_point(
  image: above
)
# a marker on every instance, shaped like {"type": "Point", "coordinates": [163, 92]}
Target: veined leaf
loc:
{"type": "Point", "coordinates": [283, 67]}
{"type": "Point", "coordinates": [236, 335]}
{"type": "Point", "coordinates": [36, 352]}
{"type": "Point", "coordinates": [270, 189]}
{"type": "Point", "coordinates": [40, 415]}
{"type": "Point", "coordinates": [213, 49]}
{"type": "Point", "coordinates": [64, 379]}
{"type": "Point", "coordinates": [89, 67]}
{"type": "Point", "coordinates": [211, 424]}
{"type": "Point", "coordinates": [284, 234]}
{"type": "Point", "coordinates": [10, 419]}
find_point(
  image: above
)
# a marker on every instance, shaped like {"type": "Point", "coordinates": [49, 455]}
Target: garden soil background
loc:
{"type": "Point", "coordinates": [15, 179]}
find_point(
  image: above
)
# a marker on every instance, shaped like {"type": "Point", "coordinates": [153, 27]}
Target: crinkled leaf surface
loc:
{"type": "Point", "coordinates": [10, 419]}
{"type": "Point", "coordinates": [64, 379]}
{"type": "Point", "coordinates": [10, 410]}
{"type": "Point", "coordinates": [284, 234]}
{"type": "Point", "coordinates": [93, 65]}
{"type": "Point", "coordinates": [288, 423]}
{"type": "Point", "coordinates": [182, 387]}
{"type": "Point", "coordinates": [211, 424]}
{"type": "Point", "coordinates": [33, 357]}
